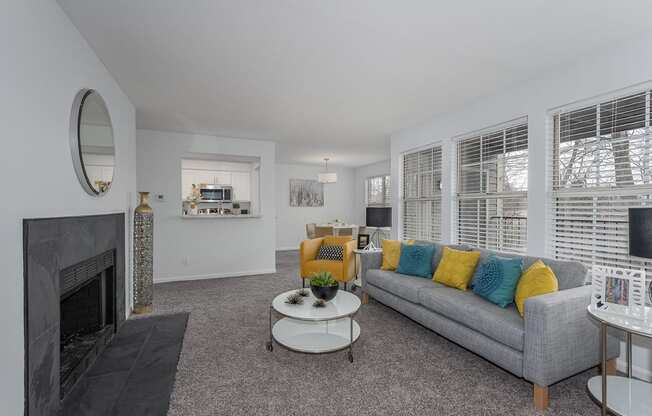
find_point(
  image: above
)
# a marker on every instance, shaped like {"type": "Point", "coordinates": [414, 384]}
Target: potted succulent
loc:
{"type": "Point", "coordinates": [323, 286]}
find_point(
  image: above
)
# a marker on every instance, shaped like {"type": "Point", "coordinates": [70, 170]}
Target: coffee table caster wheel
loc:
{"type": "Point", "coordinates": [350, 356]}
{"type": "Point", "coordinates": [269, 346]}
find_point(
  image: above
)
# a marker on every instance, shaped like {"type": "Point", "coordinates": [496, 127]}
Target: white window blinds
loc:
{"type": "Point", "coordinates": [601, 156]}
{"type": "Point", "coordinates": [421, 194]}
{"type": "Point", "coordinates": [378, 191]}
{"type": "Point", "coordinates": [492, 180]}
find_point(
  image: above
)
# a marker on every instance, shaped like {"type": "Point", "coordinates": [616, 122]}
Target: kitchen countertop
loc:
{"type": "Point", "coordinates": [218, 216]}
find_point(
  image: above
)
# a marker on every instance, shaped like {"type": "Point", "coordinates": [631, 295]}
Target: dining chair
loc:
{"type": "Point", "coordinates": [344, 231]}
{"type": "Point", "coordinates": [323, 231]}
{"type": "Point", "coordinates": [310, 230]}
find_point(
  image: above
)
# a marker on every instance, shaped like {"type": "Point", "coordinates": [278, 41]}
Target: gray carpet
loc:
{"type": "Point", "coordinates": [400, 368]}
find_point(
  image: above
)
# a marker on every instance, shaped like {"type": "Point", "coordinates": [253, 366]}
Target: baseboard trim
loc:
{"type": "Point", "coordinates": [638, 372]}
{"type": "Point", "coordinates": [214, 276]}
{"type": "Point", "coordinates": [289, 248]}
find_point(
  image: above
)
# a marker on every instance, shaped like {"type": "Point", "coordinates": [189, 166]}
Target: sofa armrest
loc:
{"type": "Point", "coordinates": [308, 251]}
{"type": "Point", "coordinates": [561, 339]}
{"type": "Point", "coordinates": [369, 260]}
{"type": "Point", "coordinates": [349, 261]}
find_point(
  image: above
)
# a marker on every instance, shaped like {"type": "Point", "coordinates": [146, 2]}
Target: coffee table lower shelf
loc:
{"type": "Point", "coordinates": [625, 396]}
{"type": "Point", "coordinates": [315, 337]}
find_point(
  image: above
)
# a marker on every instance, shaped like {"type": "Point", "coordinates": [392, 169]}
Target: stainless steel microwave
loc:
{"type": "Point", "coordinates": [216, 193]}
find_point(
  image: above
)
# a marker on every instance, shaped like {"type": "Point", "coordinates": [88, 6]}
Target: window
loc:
{"type": "Point", "coordinates": [492, 180]}
{"type": "Point", "coordinates": [601, 166]}
{"type": "Point", "coordinates": [421, 195]}
{"type": "Point", "coordinates": [378, 191]}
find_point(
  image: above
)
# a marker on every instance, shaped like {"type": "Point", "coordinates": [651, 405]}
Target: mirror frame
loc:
{"type": "Point", "coordinates": [75, 141]}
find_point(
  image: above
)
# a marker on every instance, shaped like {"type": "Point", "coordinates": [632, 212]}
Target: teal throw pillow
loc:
{"type": "Point", "coordinates": [478, 272]}
{"type": "Point", "coordinates": [416, 260]}
{"type": "Point", "coordinates": [498, 279]}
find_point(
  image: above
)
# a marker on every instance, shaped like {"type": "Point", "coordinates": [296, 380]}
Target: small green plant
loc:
{"type": "Point", "coordinates": [303, 292]}
{"type": "Point", "coordinates": [294, 299]}
{"type": "Point", "coordinates": [323, 279]}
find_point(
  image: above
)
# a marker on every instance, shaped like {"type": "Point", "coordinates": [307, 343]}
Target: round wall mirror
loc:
{"type": "Point", "coordinates": [91, 142]}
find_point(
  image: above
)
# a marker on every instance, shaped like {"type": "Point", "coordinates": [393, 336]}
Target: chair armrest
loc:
{"type": "Point", "coordinates": [561, 339]}
{"type": "Point", "coordinates": [369, 260]}
{"type": "Point", "coordinates": [349, 260]}
{"type": "Point", "coordinates": [308, 250]}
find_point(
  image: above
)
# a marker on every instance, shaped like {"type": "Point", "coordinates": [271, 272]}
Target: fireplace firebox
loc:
{"type": "Point", "coordinates": [87, 311]}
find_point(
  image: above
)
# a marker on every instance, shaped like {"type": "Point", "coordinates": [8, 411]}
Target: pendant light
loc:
{"type": "Point", "coordinates": [327, 177]}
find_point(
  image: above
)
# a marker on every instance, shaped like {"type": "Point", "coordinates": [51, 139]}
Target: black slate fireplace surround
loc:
{"type": "Point", "coordinates": [74, 288]}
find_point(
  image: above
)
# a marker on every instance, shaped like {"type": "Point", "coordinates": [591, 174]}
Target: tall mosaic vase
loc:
{"type": "Point", "coordinates": [143, 255]}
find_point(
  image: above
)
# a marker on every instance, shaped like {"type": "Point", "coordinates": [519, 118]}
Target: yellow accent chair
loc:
{"type": "Point", "coordinates": [342, 271]}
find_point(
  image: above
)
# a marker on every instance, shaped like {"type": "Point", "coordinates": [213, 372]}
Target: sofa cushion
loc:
{"type": "Point", "coordinates": [392, 253]}
{"type": "Point", "coordinates": [569, 274]}
{"type": "Point", "coordinates": [416, 260]}
{"type": "Point", "coordinates": [498, 279]}
{"type": "Point", "coordinates": [401, 285]}
{"type": "Point", "coordinates": [439, 251]}
{"type": "Point", "coordinates": [456, 268]}
{"type": "Point", "coordinates": [504, 325]}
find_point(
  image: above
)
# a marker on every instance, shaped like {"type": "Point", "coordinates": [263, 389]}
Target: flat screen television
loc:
{"type": "Point", "coordinates": [640, 232]}
{"type": "Point", "coordinates": [379, 217]}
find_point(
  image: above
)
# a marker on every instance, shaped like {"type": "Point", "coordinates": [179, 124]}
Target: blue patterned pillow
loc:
{"type": "Point", "coordinates": [498, 279]}
{"type": "Point", "coordinates": [416, 260]}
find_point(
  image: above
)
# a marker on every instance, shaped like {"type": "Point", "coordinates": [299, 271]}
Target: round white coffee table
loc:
{"type": "Point", "coordinates": [308, 329]}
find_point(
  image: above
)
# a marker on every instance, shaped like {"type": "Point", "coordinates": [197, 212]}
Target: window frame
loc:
{"type": "Point", "coordinates": [509, 233]}
{"type": "Point", "coordinates": [426, 207]}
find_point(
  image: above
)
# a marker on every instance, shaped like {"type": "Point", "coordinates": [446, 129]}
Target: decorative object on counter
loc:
{"type": "Point", "coordinates": [193, 209]}
{"type": "Point", "coordinates": [326, 176]}
{"type": "Point", "coordinates": [143, 255]}
{"type": "Point", "coordinates": [294, 299]}
{"type": "Point", "coordinates": [640, 236]}
{"type": "Point", "coordinates": [323, 286]}
{"type": "Point", "coordinates": [319, 303]}
{"type": "Point", "coordinates": [363, 241]}
{"type": "Point", "coordinates": [619, 291]}
{"type": "Point", "coordinates": [303, 292]}
{"type": "Point", "coordinates": [306, 193]}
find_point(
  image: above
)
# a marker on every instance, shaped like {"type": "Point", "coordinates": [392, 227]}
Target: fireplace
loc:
{"type": "Point", "coordinates": [87, 315]}
{"type": "Point", "coordinates": [74, 286]}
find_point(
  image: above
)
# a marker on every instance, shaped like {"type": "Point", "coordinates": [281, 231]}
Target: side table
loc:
{"type": "Point", "coordinates": [624, 396]}
{"type": "Point", "coordinates": [358, 279]}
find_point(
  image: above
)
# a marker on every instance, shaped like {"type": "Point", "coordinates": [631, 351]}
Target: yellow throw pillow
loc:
{"type": "Point", "coordinates": [392, 253]}
{"type": "Point", "coordinates": [456, 268]}
{"type": "Point", "coordinates": [538, 279]}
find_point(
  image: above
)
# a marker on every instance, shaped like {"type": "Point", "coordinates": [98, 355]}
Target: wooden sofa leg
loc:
{"type": "Point", "coordinates": [611, 367]}
{"type": "Point", "coordinates": [365, 298]}
{"type": "Point", "coordinates": [540, 397]}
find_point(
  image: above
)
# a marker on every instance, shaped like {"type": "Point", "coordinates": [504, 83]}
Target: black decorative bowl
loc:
{"type": "Point", "coordinates": [324, 293]}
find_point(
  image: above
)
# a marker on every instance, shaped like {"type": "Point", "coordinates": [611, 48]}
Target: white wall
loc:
{"type": "Point", "coordinates": [614, 67]}
{"type": "Point", "coordinates": [339, 202]}
{"type": "Point", "coordinates": [204, 248]}
{"type": "Point", "coordinates": [361, 175]}
{"type": "Point", "coordinates": [45, 62]}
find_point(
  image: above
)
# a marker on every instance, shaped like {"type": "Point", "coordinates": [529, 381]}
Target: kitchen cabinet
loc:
{"type": "Point", "coordinates": [241, 183]}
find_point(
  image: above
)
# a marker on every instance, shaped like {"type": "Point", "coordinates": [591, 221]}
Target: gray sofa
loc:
{"type": "Point", "coordinates": [555, 340]}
